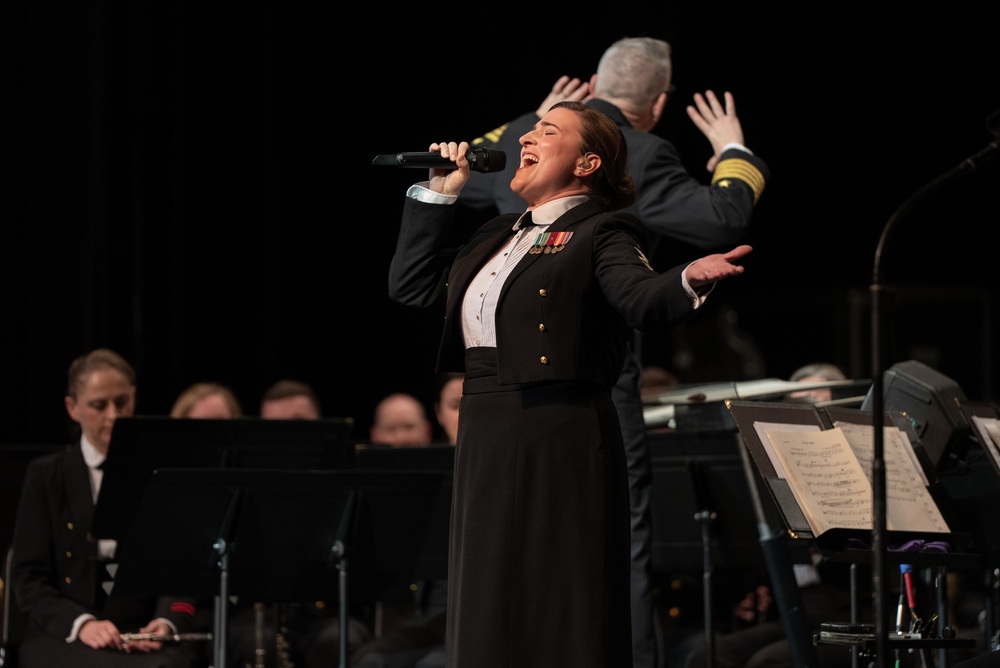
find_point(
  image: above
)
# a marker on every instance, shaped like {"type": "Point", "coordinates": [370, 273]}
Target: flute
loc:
{"type": "Point", "coordinates": [172, 637]}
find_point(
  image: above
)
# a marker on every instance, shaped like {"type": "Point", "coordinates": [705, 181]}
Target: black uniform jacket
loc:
{"type": "Point", "coordinates": [563, 314]}
{"type": "Point", "coordinates": [56, 573]}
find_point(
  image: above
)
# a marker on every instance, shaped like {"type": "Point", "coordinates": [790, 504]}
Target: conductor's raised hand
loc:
{"type": "Point", "coordinates": [564, 89]}
{"type": "Point", "coordinates": [717, 122]}
{"type": "Point", "coordinates": [716, 267]}
{"type": "Point", "coordinates": [450, 181]}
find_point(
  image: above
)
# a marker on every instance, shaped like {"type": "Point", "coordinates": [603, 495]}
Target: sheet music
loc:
{"type": "Point", "coordinates": [909, 505]}
{"type": "Point", "coordinates": [763, 427]}
{"type": "Point", "coordinates": [829, 473]}
{"type": "Point", "coordinates": [825, 477]}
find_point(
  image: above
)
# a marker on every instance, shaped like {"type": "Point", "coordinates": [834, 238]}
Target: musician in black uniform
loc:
{"type": "Point", "coordinates": [539, 308]}
{"type": "Point", "coordinates": [59, 570]}
{"type": "Point", "coordinates": [686, 217]}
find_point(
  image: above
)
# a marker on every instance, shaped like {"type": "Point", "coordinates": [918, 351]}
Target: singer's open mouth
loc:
{"type": "Point", "coordinates": [528, 159]}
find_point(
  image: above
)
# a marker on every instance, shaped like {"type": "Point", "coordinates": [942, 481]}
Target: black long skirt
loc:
{"type": "Point", "coordinates": [539, 553]}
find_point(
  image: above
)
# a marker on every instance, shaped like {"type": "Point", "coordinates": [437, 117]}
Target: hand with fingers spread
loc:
{"type": "Point", "coordinates": [565, 88]}
{"type": "Point", "coordinates": [719, 124]}
{"type": "Point", "coordinates": [716, 267]}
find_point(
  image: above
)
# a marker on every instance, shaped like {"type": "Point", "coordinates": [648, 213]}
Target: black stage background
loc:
{"type": "Point", "coordinates": [191, 184]}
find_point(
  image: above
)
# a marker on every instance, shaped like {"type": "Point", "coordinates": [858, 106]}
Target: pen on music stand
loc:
{"type": "Point", "coordinates": [907, 572]}
{"type": "Point", "coordinates": [899, 615]}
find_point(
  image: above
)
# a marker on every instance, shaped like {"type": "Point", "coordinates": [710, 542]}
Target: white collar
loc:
{"type": "Point", "coordinates": [90, 454]}
{"type": "Point", "coordinates": [545, 214]}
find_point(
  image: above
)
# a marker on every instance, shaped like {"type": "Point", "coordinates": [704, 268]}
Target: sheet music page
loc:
{"type": "Point", "coordinates": [825, 477]}
{"type": "Point", "coordinates": [909, 505]}
{"type": "Point", "coordinates": [763, 427]}
{"type": "Point", "coordinates": [988, 430]}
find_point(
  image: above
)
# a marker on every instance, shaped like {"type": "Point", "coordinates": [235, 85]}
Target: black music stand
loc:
{"type": "Point", "coordinates": [275, 535]}
{"type": "Point", "coordinates": [142, 444]}
{"type": "Point", "coordinates": [835, 544]}
{"type": "Point", "coordinates": [433, 561]}
{"type": "Point", "coordinates": [435, 457]}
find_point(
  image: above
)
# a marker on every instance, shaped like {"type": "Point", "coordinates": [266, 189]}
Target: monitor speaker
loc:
{"type": "Point", "coordinates": [929, 401]}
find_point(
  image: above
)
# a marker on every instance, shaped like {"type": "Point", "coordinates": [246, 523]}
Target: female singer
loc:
{"type": "Point", "coordinates": [538, 310]}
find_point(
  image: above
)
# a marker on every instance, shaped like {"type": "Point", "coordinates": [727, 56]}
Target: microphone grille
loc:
{"type": "Point", "coordinates": [487, 159]}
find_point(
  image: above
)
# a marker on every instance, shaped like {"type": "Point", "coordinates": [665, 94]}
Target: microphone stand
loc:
{"type": "Point", "coordinates": [880, 569]}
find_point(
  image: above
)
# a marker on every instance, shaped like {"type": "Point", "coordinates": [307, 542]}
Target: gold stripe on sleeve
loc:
{"type": "Point", "coordinates": [743, 170]}
{"type": "Point", "coordinates": [493, 136]}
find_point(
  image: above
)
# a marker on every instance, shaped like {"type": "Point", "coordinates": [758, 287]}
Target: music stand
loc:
{"type": "Point", "coordinates": [142, 444]}
{"type": "Point", "coordinates": [437, 457]}
{"type": "Point", "coordinates": [433, 561]}
{"type": "Point", "coordinates": [274, 535]}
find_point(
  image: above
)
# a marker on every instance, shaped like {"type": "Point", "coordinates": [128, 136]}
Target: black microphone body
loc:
{"type": "Point", "coordinates": [482, 159]}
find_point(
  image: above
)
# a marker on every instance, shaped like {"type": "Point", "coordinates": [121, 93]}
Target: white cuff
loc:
{"type": "Point", "coordinates": [421, 193]}
{"type": "Point", "coordinates": [77, 624]}
{"type": "Point", "coordinates": [737, 146]}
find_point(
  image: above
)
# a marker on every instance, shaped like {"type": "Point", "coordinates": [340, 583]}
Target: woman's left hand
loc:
{"type": "Point", "coordinates": [716, 267]}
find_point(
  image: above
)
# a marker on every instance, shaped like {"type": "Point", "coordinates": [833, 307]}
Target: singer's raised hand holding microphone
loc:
{"type": "Point", "coordinates": [451, 181]}
{"type": "Point", "coordinates": [481, 159]}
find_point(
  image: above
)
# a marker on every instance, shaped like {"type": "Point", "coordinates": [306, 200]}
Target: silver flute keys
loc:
{"type": "Point", "coordinates": [171, 637]}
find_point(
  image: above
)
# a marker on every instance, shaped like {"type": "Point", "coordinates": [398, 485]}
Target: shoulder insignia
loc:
{"type": "Point", "coordinates": [643, 259]}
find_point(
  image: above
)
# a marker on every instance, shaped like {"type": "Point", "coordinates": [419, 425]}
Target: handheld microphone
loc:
{"type": "Point", "coordinates": [482, 159]}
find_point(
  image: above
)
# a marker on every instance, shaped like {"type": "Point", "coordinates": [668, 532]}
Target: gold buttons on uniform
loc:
{"type": "Point", "coordinates": [543, 292]}
{"type": "Point", "coordinates": [69, 555]}
{"type": "Point", "coordinates": [544, 359]}
{"type": "Point", "coordinates": [69, 525]}
{"type": "Point", "coordinates": [541, 327]}
{"type": "Point", "coordinates": [68, 580]}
